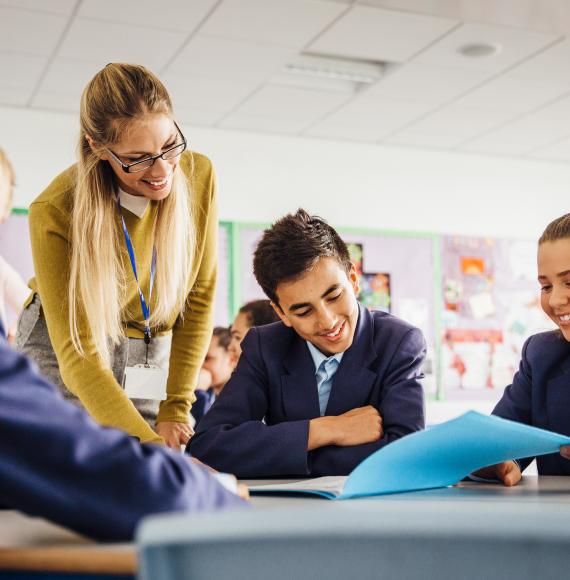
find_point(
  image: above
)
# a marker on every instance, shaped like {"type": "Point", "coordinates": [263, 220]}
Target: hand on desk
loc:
{"type": "Point", "coordinates": [355, 427]}
{"type": "Point", "coordinates": [565, 451]}
{"type": "Point", "coordinates": [174, 434]}
{"type": "Point", "coordinates": [508, 472]}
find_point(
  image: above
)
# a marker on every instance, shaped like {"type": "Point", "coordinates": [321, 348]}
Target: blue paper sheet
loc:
{"type": "Point", "coordinates": [445, 454]}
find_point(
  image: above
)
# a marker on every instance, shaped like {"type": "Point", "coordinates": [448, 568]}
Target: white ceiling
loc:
{"type": "Point", "coordinates": [223, 62]}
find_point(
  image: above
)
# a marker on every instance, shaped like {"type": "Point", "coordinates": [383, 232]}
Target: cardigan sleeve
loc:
{"type": "Point", "coordinates": [88, 377]}
{"type": "Point", "coordinates": [192, 332]}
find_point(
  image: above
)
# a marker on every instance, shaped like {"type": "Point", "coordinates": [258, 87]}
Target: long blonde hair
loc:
{"type": "Point", "coordinates": [115, 97]}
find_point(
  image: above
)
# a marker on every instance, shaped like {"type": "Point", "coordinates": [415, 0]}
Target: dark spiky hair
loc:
{"type": "Point", "coordinates": [292, 246]}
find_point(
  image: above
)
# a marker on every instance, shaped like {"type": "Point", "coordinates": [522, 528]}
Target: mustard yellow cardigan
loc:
{"type": "Point", "coordinates": [88, 377]}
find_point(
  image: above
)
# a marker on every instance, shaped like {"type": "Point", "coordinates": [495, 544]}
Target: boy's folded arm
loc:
{"type": "Point", "coordinates": [233, 437]}
{"type": "Point", "coordinates": [401, 410]}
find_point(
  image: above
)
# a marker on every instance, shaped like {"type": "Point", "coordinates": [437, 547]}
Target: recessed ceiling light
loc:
{"type": "Point", "coordinates": [479, 49]}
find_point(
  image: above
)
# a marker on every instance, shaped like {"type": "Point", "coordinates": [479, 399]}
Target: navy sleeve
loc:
{"type": "Point", "coordinates": [232, 435]}
{"type": "Point", "coordinates": [516, 402]}
{"type": "Point", "coordinates": [57, 463]}
{"type": "Point", "coordinates": [401, 408]}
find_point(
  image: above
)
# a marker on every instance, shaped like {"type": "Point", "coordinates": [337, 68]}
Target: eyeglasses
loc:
{"type": "Point", "coordinates": [147, 162]}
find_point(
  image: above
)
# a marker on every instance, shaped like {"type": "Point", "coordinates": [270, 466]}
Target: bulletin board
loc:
{"type": "Point", "coordinates": [396, 266]}
{"type": "Point", "coordinates": [223, 305]}
{"type": "Point", "coordinates": [491, 305]}
{"type": "Point", "coordinates": [16, 249]}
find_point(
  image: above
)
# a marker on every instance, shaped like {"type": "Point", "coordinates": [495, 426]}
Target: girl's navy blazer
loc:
{"type": "Point", "coordinates": [540, 394]}
{"type": "Point", "coordinates": [259, 425]}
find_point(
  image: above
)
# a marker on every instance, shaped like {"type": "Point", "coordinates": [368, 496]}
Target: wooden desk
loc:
{"type": "Point", "coordinates": [34, 545]}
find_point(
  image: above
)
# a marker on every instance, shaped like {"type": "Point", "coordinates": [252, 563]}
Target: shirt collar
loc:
{"type": "Point", "coordinates": [319, 357]}
{"type": "Point", "coordinates": [136, 204]}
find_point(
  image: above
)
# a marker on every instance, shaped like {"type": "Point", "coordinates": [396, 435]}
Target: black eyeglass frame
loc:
{"type": "Point", "coordinates": [127, 167]}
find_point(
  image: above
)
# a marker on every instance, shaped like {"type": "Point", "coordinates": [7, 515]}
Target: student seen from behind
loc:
{"type": "Point", "coordinates": [97, 481]}
{"type": "Point", "coordinates": [335, 382]}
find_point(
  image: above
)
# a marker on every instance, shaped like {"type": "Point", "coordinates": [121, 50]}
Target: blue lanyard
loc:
{"type": "Point", "coordinates": [144, 306]}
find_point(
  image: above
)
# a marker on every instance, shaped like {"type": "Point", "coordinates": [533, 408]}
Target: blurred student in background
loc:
{"type": "Point", "coordinates": [254, 313]}
{"type": "Point", "coordinates": [13, 289]}
{"type": "Point", "coordinates": [215, 373]}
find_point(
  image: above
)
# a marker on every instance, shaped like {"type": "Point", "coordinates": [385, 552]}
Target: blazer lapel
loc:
{"type": "Point", "coordinates": [299, 385]}
{"type": "Point", "coordinates": [557, 406]}
{"type": "Point", "coordinates": [354, 381]}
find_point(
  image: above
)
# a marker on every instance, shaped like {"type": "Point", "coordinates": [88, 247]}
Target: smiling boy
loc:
{"type": "Point", "coordinates": [318, 392]}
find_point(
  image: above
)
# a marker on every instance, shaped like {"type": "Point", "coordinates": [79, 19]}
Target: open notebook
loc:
{"type": "Point", "coordinates": [438, 457]}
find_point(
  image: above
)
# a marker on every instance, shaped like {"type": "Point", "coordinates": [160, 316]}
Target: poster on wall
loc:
{"type": "Point", "coordinates": [375, 291]}
{"type": "Point", "coordinates": [383, 264]}
{"type": "Point", "coordinates": [490, 307]}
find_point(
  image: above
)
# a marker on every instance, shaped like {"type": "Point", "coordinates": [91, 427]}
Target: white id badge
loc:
{"type": "Point", "coordinates": [145, 382]}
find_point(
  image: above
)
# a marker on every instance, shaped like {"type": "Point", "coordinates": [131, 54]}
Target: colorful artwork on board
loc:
{"type": "Point", "coordinates": [375, 291]}
{"type": "Point", "coordinates": [490, 307]}
{"type": "Point", "coordinates": [356, 256]}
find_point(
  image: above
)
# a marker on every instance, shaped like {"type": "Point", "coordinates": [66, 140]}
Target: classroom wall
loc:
{"type": "Point", "coordinates": [263, 176]}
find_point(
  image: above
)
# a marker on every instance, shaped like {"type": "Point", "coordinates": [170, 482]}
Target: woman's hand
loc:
{"type": "Point", "coordinates": [175, 435]}
{"type": "Point", "coordinates": [508, 472]}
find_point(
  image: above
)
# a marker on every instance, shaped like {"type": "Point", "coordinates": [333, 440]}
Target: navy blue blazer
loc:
{"type": "Point", "coordinates": [540, 394]}
{"type": "Point", "coordinates": [57, 463]}
{"type": "Point", "coordinates": [259, 425]}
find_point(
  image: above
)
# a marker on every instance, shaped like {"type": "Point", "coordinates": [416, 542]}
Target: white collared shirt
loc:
{"type": "Point", "coordinates": [325, 369]}
{"type": "Point", "coordinates": [136, 204]}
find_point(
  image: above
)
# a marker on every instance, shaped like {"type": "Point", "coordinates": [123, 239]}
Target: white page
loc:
{"type": "Point", "coordinates": [330, 486]}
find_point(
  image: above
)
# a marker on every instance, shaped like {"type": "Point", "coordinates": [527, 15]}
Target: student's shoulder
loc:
{"type": "Point", "coordinates": [269, 341]}
{"type": "Point", "coordinates": [58, 195]}
{"type": "Point", "coordinates": [385, 323]}
{"type": "Point", "coordinates": [391, 334]}
{"type": "Point", "coordinates": [546, 348]}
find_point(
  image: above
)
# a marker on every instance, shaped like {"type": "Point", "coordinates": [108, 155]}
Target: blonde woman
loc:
{"type": "Point", "coordinates": [13, 290]}
{"type": "Point", "coordinates": [124, 246]}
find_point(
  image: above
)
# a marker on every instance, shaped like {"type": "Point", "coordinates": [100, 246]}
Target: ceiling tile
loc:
{"type": "Point", "coordinates": [282, 105]}
{"type": "Point", "coordinates": [558, 152]}
{"type": "Point", "coordinates": [69, 77]}
{"type": "Point", "coordinates": [195, 117]}
{"type": "Point", "coordinates": [526, 134]}
{"type": "Point", "coordinates": [515, 45]}
{"type": "Point", "coordinates": [368, 119]}
{"type": "Point", "coordinates": [56, 102]}
{"type": "Point", "coordinates": [109, 42]}
{"type": "Point", "coordinates": [376, 34]}
{"type": "Point", "coordinates": [293, 23]}
{"type": "Point", "coordinates": [172, 15]}
{"type": "Point", "coordinates": [14, 96]}
{"type": "Point", "coordinates": [543, 15]}
{"type": "Point", "coordinates": [411, 138]}
{"type": "Point", "coordinates": [230, 59]}
{"type": "Point", "coordinates": [461, 122]}
{"type": "Point", "coordinates": [20, 70]}
{"type": "Point", "coordinates": [434, 84]}
{"type": "Point", "coordinates": [64, 7]}
{"type": "Point", "coordinates": [30, 32]}
{"type": "Point", "coordinates": [551, 64]}
{"type": "Point", "coordinates": [263, 124]}
{"type": "Point", "coordinates": [513, 94]}
{"type": "Point", "coordinates": [211, 97]}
